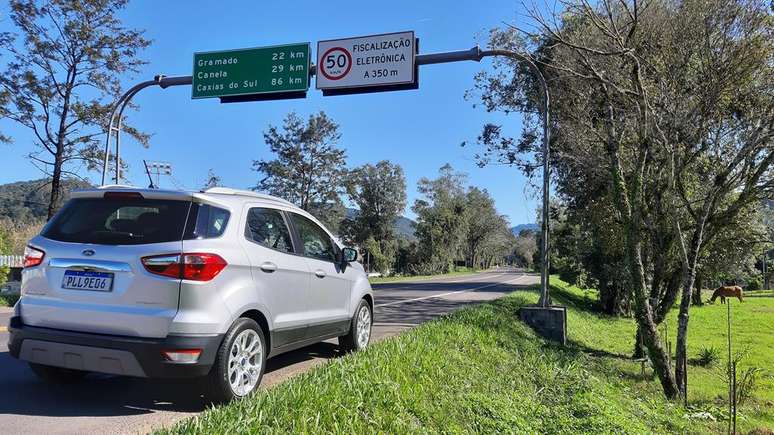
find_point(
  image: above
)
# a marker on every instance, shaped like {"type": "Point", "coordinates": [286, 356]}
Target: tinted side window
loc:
{"type": "Point", "coordinates": [314, 240]}
{"type": "Point", "coordinates": [206, 222]}
{"type": "Point", "coordinates": [119, 221]}
{"type": "Point", "coordinates": [267, 227]}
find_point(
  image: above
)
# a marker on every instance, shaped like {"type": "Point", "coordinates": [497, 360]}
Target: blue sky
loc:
{"type": "Point", "coordinates": [421, 129]}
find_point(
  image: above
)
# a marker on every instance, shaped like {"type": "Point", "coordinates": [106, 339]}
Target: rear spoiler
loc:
{"type": "Point", "coordinates": [145, 193]}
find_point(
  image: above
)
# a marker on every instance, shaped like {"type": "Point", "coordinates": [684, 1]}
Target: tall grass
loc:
{"type": "Point", "coordinates": [478, 370]}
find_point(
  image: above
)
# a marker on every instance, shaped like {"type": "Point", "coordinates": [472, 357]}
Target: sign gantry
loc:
{"type": "Point", "coordinates": [353, 65]}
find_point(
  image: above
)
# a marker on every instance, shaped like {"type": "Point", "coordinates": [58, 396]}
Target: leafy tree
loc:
{"type": "Point", "coordinates": [441, 220]}
{"type": "Point", "coordinates": [407, 256]}
{"type": "Point", "coordinates": [496, 246]}
{"type": "Point", "coordinates": [62, 78]}
{"type": "Point", "coordinates": [5, 96]}
{"type": "Point", "coordinates": [525, 248]}
{"type": "Point", "coordinates": [309, 169]}
{"type": "Point", "coordinates": [731, 256]}
{"type": "Point", "coordinates": [212, 180]}
{"type": "Point", "coordinates": [19, 233]}
{"type": "Point", "coordinates": [488, 234]}
{"type": "Point", "coordinates": [380, 255]}
{"type": "Point", "coordinates": [5, 249]}
{"type": "Point", "coordinates": [379, 191]}
{"type": "Point", "coordinates": [4, 270]}
{"type": "Point", "coordinates": [666, 116]}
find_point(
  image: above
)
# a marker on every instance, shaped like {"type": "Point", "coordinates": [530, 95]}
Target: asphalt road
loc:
{"type": "Point", "coordinates": [111, 404]}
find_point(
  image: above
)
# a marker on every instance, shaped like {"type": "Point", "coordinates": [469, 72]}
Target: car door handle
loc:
{"type": "Point", "coordinates": [319, 273]}
{"type": "Point", "coordinates": [268, 267]}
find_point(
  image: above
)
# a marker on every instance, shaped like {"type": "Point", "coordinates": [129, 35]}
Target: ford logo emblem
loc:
{"type": "Point", "coordinates": [88, 252]}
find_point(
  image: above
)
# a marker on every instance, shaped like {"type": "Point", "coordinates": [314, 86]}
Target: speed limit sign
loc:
{"type": "Point", "coordinates": [366, 61]}
{"type": "Point", "coordinates": [336, 63]}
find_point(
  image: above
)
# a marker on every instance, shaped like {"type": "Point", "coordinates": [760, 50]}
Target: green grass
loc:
{"type": "Point", "coordinates": [481, 370]}
{"type": "Point", "coordinates": [457, 272]}
{"type": "Point", "coordinates": [8, 300]}
{"type": "Point", "coordinates": [752, 334]}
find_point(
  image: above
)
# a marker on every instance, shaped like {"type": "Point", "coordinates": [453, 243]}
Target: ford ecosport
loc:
{"type": "Point", "coordinates": [156, 283]}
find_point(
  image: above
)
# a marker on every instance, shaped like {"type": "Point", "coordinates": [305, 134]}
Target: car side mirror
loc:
{"type": "Point", "coordinates": [349, 255]}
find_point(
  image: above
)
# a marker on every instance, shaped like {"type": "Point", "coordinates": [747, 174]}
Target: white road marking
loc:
{"type": "Point", "coordinates": [431, 281]}
{"type": "Point", "coordinates": [451, 293]}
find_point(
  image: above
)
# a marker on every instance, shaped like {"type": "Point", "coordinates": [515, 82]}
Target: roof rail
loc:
{"type": "Point", "coordinates": [250, 193]}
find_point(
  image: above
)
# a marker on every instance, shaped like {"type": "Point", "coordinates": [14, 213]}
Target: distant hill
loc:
{"type": "Point", "coordinates": [28, 200]}
{"type": "Point", "coordinates": [402, 226]}
{"type": "Point", "coordinates": [521, 227]}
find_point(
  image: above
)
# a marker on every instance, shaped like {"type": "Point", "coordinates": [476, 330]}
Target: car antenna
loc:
{"type": "Point", "coordinates": [147, 171]}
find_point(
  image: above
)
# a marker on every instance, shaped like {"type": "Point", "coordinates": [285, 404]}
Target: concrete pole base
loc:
{"type": "Point", "coordinates": [549, 322]}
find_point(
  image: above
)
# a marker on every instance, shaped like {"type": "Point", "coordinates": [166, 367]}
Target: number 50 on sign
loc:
{"type": "Point", "coordinates": [366, 61]}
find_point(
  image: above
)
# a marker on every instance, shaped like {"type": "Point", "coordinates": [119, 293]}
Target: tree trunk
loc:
{"type": "Point", "coordinates": [639, 349]}
{"type": "Point", "coordinates": [648, 328]}
{"type": "Point", "coordinates": [696, 296]}
{"type": "Point", "coordinates": [689, 275]}
{"type": "Point", "coordinates": [672, 288]}
{"type": "Point", "coordinates": [56, 177]}
{"type": "Point", "coordinates": [56, 183]}
{"type": "Point", "coordinates": [682, 327]}
{"type": "Point", "coordinates": [630, 209]}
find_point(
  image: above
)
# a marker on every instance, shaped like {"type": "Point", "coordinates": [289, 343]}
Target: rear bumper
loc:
{"type": "Point", "coordinates": [129, 356]}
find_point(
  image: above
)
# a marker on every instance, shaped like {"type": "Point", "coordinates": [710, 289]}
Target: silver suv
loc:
{"type": "Point", "coordinates": [156, 283]}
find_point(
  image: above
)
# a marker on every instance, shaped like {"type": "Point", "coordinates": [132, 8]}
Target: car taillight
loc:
{"type": "Point", "coordinates": [32, 256]}
{"type": "Point", "coordinates": [122, 195]}
{"type": "Point", "coordinates": [193, 266]}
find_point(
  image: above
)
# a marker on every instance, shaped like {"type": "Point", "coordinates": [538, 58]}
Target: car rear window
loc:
{"type": "Point", "coordinates": [206, 222]}
{"type": "Point", "coordinates": [119, 221]}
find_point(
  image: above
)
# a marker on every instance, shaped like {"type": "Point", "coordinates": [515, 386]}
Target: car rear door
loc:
{"type": "Point", "coordinates": [92, 278]}
{"type": "Point", "coordinates": [281, 277]}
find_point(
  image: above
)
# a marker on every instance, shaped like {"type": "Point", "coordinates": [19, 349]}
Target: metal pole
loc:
{"type": "Point", "coordinates": [544, 301]}
{"type": "Point", "coordinates": [118, 109]}
{"type": "Point", "coordinates": [125, 98]}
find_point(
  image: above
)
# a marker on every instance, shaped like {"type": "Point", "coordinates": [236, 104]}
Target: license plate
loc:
{"type": "Point", "coordinates": [81, 280]}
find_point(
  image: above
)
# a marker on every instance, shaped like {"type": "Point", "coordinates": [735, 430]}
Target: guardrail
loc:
{"type": "Point", "coordinates": [12, 260]}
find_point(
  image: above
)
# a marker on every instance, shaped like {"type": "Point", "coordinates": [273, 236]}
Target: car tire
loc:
{"type": "Point", "coordinates": [59, 375]}
{"type": "Point", "coordinates": [236, 372]}
{"type": "Point", "coordinates": [359, 330]}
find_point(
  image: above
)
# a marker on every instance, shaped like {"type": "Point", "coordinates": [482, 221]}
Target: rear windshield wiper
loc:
{"type": "Point", "coordinates": [117, 235]}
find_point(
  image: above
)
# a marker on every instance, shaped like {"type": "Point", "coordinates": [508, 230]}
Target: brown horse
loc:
{"type": "Point", "coordinates": [727, 291]}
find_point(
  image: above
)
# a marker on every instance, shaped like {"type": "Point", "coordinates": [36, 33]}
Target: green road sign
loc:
{"type": "Point", "coordinates": [251, 71]}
